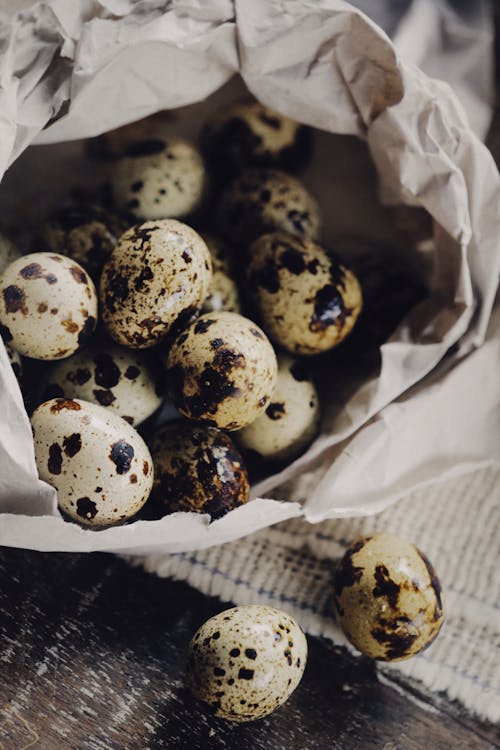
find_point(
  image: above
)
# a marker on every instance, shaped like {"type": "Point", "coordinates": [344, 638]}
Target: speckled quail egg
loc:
{"type": "Point", "coordinates": [290, 420]}
{"type": "Point", "coordinates": [48, 306]}
{"type": "Point", "coordinates": [387, 598]}
{"type": "Point", "coordinates": [85, 232]}
{"type": "Point", "coordinates": [246, 661]}
{"type": "Point", "coordinates": [159, 179]}
{"type": "Point", "coordinates": [114, 143]}
{"type": "Point", "coordinates": [125, 382]}
{"type": "Point", "coordinates": [100, 466]}
{"type": "Point", "coordinates": [198, 469]}
{"type": "Point", "coordinates": [223, 292]}
{"type": "Point", "coordinates": [265, 200]}
{"type": "Point", "coordinates": [222, 370]}
{"type": "Point", "coordinates": [15, 361]}
{"type": "Point", "coordinates": [8, 252]}
{"type": "Point", "coordinates": [156, 278]}
{"type": "Point", "coordinates": [249, 134]}
{"type": "Point", "coordinates": [307, 300]}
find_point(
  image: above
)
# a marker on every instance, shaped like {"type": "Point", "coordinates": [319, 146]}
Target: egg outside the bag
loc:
{"type": "Point", "coordinates": [387, 598]}
{"type": "Point", "coordinates": [8, 252]}
{"type": "Point", "coordinates": [156, 279]}
{"type": "Point", "coordinates": [246, 662]}
{"type": "Point", "coordinates": [308, 302]}
{"type": "Point", "coordinates": [222, 371]}
{"type": "Point", "coordinates": [248, 133]}
{"type": "Point", "coordinates": [223, 291]}
{"type": "Point", "coordinates": [84, 232]}
{"type": "Point", "coordinates": [159, 179]}
{"type": "Point", "coordinates": [48, 306]}
{"type": "Point", "coordinates": [265, 200]}
{"type": "Point", "coordinates": [197, 469]}
{"type": "Point", "coordinates": [100, 466]}
{"type": "Point", "coordinates": [291, 419]}
{"type": "Point", "coordinates": [125, 382]}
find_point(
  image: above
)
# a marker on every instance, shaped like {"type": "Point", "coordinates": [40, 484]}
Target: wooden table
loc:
{"type": "Point", "coordinates": [92, 658]}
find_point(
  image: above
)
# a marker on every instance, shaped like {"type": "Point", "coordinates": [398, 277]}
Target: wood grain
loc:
{"type": "Point", "coordinates": [92, 656]}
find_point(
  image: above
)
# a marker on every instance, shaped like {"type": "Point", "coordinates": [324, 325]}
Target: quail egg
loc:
{"type": "Point", "coordinates": [222, 370]}
{"type": "Point", "coordinates": [198, 469]}
{"type": "Point", "coordinates": [290, 420]}
{"type": "Point", "coordinates": [159, 179]}
{"type": "Point", "coordinates": [156, 278]}
{"type": "Point", "coordinates": [85, 232]}
{"type": "Point", "coordinates": [15, 361]}
{"type": "Point", "coordinates": [307, 300]}
{"type": "Point", "coordinates": [8, 252]}
{"type": "Point", "coordinates": [265, 200]}
{"type": "Point", "coordinates": [249, 134]}
{"type": "Point", "coordinates": [114, 143]}
{"type": "Point", "coordinates": [387, 598]}
{"type": "Point", "coordinates": [223, 292]}
{"type": "Point", "coordinates": [246, 661]}
{"type": "Point", "coordinates": [125, 382]}
{"type": "Point", "coordinates": [100, 466]}
{"type": "Point", "coordinates": [48, 306]}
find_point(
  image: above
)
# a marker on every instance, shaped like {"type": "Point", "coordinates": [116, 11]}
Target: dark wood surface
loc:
{"type": "Point", "coordinates": [92, 657]}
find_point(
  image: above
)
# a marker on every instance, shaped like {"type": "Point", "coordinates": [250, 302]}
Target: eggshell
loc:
{"type": "Point", "coordinates": [127, 383]}
{"type": "Point", "coordinates": [223, 291]}
{"type": "Point", "coordinates": [247, 134]}
{"type": "Point", "coordinates": [387, 598]}
{"type": "Point", "coordinates": [291, 419]}
{"type": "Point", "coordinates": [222, 370]}
{"type": "Point", "coordinates": [156, 279]}
{"type": "Point", "coordinates": [262, 201]}
{"type": "Point", "coordinates": [159, 179]}
{"type": "Point", "coordinates": [246, 662]}
{"type": "Point", "coordinates": [48, 306]}
{"type": "Point", "coordinates": [307, 300]}
{"type": "Point", "coordinates": [85, 232]}
{"type": "Point", "coordinates": [198, 469]}
{"type": "Point", "coordinates": [100, 466]}
{"type": "Point", "coordinates": [15, 361]}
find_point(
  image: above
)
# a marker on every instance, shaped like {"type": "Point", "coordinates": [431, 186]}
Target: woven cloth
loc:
{"type": "Point", "coordinates": [289, 566]}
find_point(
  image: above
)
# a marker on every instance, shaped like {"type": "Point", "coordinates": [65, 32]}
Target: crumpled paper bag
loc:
{"type": "Point", "coordinates": [69, 71]}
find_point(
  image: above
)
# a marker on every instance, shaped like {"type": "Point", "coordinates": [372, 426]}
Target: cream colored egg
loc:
{"type": "Point", "coordinates": [290, 420]}
{"type": "Point", "coordinates": [307, 300]}
{"type": "Point", "coordinates": [159, 179]}
{"type": "Point", "coordinates": [246, 661]}
{"type": "Point", "coordinates": [197, 469]}
{"type": "Point", "coordinates": [125, 382]}
{"type": "Point", "coordinates": [48, 306]}
{"type": "Point", "coordinates": [223, 292]}
{"type": "Point", "coordinates": [156, 278]}
{"type": "Point", "coordinates": [249, 134]}
{"type": "Point", "coordinates": [264, 201]}
{"type": "Point", "coordinates": [387, 598]}
{"type": "Point", "coordinates": [100, 466]}
{"type": "Point", "coordinates": [222, 370]}
{"type": "Point", "coordinates": [8, 252]}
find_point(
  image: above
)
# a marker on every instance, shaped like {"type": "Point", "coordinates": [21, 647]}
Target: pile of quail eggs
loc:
{"type": "Point", "coordinates": [199, 286]}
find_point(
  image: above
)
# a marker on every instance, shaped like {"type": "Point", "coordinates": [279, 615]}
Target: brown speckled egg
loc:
{"type": "Point", "coordinates": [8, 252]}
{"type": "Point", "coordinates": [223, 292]}
{"type": "Point", "coordinates": [48, 306]}
{"type": "Point", "coordinates": [307, 300]}
{"type": "Point", "coordinates": [266, 200]}
{"type": "Point", "coordinates": [222, 370]}
{"type": "Point", "coordinates": [198, 469]}
{"type": "Point", "coordinates": [387, 598]}
{"type": "Point", "coordinates": [123, 381]}
{"type": "Point", "coordinates": [85, 232]}
{"type": "Point", "coordinates": [247, 134]}
{"type": "Point", "coordinates": [246, 661]}
{"type": "Point", "coordinates": [156, 278]}
{"type": "Point", "coordinates": [290, 420]}
{"type": "Point", "coordinates": [100, 466]}
{"type": "Point", "coordinates": [15, 361]}
{"type": "Point", "coordinates": [159, 179]}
